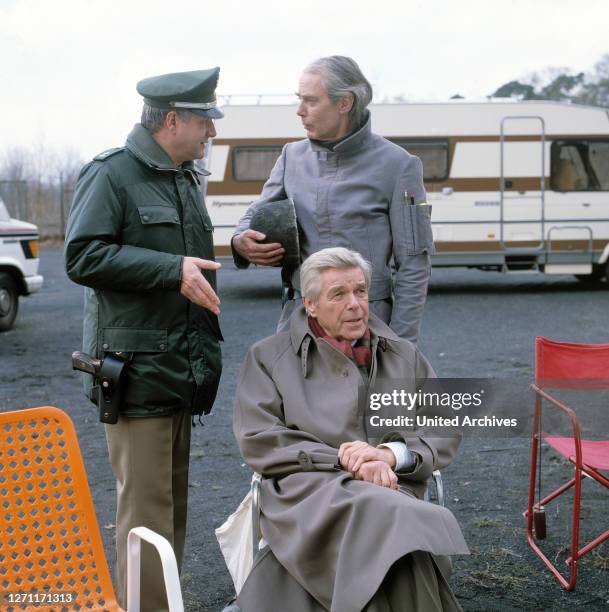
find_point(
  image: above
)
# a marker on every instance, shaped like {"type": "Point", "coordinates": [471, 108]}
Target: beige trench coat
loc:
{"type": "Point", "coordinates": [296, 402]}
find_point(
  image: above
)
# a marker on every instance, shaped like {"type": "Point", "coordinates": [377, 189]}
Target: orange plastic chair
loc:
{"type": "Point", "coordinates": [51, 552]}
{"type": "Point", "coordinates": [567, 365]}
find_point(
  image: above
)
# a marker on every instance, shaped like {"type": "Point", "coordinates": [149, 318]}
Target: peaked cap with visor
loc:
{"type": "Point", "coordinates": [194, 91]}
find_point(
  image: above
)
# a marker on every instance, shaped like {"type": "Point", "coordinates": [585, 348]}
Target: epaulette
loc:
{"type": "Point", "coordinates": [108, 153]}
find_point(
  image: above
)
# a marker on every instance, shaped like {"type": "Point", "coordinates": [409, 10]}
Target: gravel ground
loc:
{"type": "Point", "coordinates": [477, 324]}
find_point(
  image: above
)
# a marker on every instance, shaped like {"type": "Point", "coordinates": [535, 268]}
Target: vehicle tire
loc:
{"type": "Point", "coordinates": [598, 272]}
{"type": "Point", "coordinates": [9, 301]}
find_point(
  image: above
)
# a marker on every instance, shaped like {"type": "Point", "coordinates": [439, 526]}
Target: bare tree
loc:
{"type": "Point", "coordinates": [14, 171]}
{"type": "Point", "coordinates": [67, 166]}
{"type": "Point", "coordinates": [14, 164]}
{"type": "Point", "coordinates": [37, 184]}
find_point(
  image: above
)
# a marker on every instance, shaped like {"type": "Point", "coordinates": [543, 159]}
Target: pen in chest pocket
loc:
{"type": "Point", "coordinates": [409, 200]}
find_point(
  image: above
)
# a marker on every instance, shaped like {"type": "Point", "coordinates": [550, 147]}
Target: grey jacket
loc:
{"type": "Point", "coordinates": [354, 196]}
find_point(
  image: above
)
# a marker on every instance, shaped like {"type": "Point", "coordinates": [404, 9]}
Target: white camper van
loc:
{"type": "Point", "coordinates": [18, 265]}
{"type": "Point", "coordinates": [515, 186]}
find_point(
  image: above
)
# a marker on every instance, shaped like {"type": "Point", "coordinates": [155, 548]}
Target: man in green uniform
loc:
{"type": "Point", "coordinates": [140, 239]}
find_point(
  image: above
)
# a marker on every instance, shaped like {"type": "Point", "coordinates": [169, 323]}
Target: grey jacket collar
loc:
{"type": "Point", "coordinates": [299, 328]}
{"type": "Point", "coordinates": [353, 143]}
{"type": "Point", "coordinates": [141, 143]}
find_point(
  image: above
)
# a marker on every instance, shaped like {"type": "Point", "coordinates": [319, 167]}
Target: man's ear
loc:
{"type": "Point", "coordinates": [345, 104]}
{"type": "Point", "coordinates": [171, 120]}
{"type": "Point", "coordinates": [309, 307]}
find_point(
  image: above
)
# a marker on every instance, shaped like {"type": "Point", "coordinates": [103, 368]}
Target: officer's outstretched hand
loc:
{"type": "Point", "coordinates": [194, 285]}
{"type": "Point", "coordinates": [249, 245]}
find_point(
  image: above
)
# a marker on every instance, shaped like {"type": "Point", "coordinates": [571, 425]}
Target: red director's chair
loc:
{"type": "Point", "coordinates": [567, 365]}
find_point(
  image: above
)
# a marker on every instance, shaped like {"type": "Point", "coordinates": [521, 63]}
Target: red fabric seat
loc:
{"type": "Point", "coordinates": [595, 453]}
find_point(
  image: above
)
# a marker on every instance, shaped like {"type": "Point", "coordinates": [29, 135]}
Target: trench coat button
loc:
{"type": "Point", "coordinates": [105, 346]}
{"type": "Point", "coordinates": [146, 218]}
{"type": "Point", "coordinates": [344, 373]}
{"type": "Point", "coordinates": [162, 346]}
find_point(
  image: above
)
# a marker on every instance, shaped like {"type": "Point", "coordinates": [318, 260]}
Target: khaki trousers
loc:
{"type": "Point", "coordinates": [149, 458]}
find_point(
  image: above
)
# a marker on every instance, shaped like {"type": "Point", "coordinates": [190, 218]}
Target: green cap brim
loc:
{"type": "Point", "coordinates": [210, 113]}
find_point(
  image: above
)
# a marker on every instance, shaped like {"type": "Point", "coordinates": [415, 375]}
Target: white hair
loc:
{"type": "Point", "coordinates": [336, 258]}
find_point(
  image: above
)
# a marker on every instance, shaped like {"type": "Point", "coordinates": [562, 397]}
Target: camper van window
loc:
{"type": "Point", "coordinates": [254, 163]}
{"type": "Point", "coordinates": [580, 165]}
{"type": "Point", "coordinates": [599, 160]}
{"type": "Point", "coordinates": [433, 154]}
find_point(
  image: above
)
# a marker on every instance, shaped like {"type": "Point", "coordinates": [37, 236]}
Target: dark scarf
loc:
{"type": "Point", "coordinates": [359, 352]}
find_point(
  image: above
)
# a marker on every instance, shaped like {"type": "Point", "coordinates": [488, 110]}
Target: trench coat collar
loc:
{"type": "Point", "coordinates": [141, 143]}
{"type": "Point", "coordinates": [299, 328]}
{"type": "Point", "coordinates": [354, 142]}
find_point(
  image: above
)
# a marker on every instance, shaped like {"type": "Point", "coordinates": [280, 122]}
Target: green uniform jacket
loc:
{"type": "Point", "coordinates": [134, 216]}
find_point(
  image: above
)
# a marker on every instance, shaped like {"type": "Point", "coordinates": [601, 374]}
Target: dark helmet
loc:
{"type": "Point", "coordinates": [277, 220]}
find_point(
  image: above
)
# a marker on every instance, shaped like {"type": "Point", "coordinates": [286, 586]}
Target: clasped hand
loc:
{"type": "Point", "coordinates": [369, 463]}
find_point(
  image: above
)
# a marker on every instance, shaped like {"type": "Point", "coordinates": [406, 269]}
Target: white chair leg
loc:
{"type": "Point", "coordinates": [255, 515]}
{"type": "Point", "coordinates": [437, 476]}
{"type": "Point", "coordinates": [168, 562]}
{"type": "Point", "coordinates": [438, 483]}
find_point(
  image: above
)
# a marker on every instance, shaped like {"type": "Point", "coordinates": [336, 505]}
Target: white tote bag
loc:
{"type": "Point", "coordinates": [235, 539]}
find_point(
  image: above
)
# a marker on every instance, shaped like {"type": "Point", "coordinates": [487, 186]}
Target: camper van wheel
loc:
{"type": "Point", "coordinates": [9, 301]}
{"type": "Point", "coordinates": [597, 274]}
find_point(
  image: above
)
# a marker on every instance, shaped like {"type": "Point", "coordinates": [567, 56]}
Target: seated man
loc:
{"type": "Point", "coordinates": [346, 526]}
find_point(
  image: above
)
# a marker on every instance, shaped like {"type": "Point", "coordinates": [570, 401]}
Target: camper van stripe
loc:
{"type": "Point", "coordinates": [495, 246]}
{"type": "Point", "coordinates": [515, 221]}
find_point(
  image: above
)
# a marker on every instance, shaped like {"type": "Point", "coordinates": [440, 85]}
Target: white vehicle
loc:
{"type": "Point", "coordinates": [515, 186]}
{"type": "Point", "coordinates": [18, 265]}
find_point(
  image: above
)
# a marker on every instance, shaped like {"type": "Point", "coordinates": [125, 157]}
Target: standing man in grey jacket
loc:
{"type": "Point", "coordinates": [351, 188]}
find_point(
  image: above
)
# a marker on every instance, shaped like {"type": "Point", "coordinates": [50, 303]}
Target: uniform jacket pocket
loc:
{"type": "Point", "coordinates": [152, 214]}
{"type": "Point", "coordinates": [129, 340]}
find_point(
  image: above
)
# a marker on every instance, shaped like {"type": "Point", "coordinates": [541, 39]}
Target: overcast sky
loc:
{"type": "Point", "coordinates": [68, 68]}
